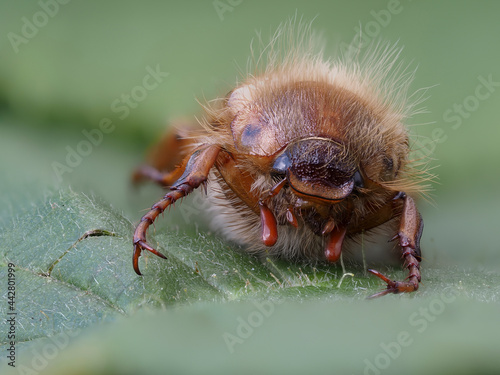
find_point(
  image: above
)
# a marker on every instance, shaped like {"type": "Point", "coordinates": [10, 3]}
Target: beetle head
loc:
{"type": "Point", "coordinates": [318, 169]}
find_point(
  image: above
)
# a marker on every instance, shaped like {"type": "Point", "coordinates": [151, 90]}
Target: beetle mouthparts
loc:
{"type": "Point", "coordinates": [320, 168]}
{"type": "Point", "coordinates": [333, 247]}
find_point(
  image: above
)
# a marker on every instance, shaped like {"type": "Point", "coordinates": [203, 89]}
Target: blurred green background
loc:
{"type": "Point", "coordinates": [62, 77]}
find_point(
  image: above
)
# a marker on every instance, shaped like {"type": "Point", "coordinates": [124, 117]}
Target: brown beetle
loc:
{"type": "Point", "coordinates": [302, 156]}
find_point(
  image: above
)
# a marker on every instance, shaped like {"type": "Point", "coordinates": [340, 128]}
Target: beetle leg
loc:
{"type": "Point", "coordinates": [196, 173]}
{"type": "Point", "coordinates": [410, 231]}
{"type": "Point", "coordinates": [147, 172]}
{"type": "Point", "coordinates": [170, 153]}
{"type": "Point", "coordinates": [238, 185]}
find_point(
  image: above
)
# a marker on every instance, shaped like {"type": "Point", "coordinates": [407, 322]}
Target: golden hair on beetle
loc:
{"type": "Point", "coordinates": [305, 152]}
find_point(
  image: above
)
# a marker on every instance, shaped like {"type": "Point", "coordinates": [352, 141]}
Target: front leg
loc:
{"type": "Point", "coordinates": [410, 231]}
{"type": "Point", "coordinates": [195, 174]}
{"type": "Point", "coordinates": [164, 179]}
{"type": "Point", "coordinates": [170, 154]}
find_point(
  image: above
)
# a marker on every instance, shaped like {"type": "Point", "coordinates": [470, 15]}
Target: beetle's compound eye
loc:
{"type": "Point", "coordinates": [281, 164]}
{"type": "Point", "coordinates": [358, 180]}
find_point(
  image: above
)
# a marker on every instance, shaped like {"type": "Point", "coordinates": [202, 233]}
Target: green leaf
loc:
{"type": "Point", "coordinates": [72, 259]}
{"type": "Point", "coordinates": [440, 334]}
{"type": "Point", "coordinates": [73, 267]}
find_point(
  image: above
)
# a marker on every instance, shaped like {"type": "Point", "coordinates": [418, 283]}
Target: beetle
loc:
{"type": "Point", "coordinates": [301, 156]}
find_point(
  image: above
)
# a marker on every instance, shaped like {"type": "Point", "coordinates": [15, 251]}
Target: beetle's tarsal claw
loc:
{"type": "Point", "coordinates": [145, 246]}
{"type": "Point", "coordinates": [380, 275]}
{"type": "Point", "coordinates": [395, 287]}
{"type": "Point", "coordinates": [392, 286]}
{"type": "Point", "coordinates": [139, 246]}
{"type": "Point", "coordinates": [135, 259]}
